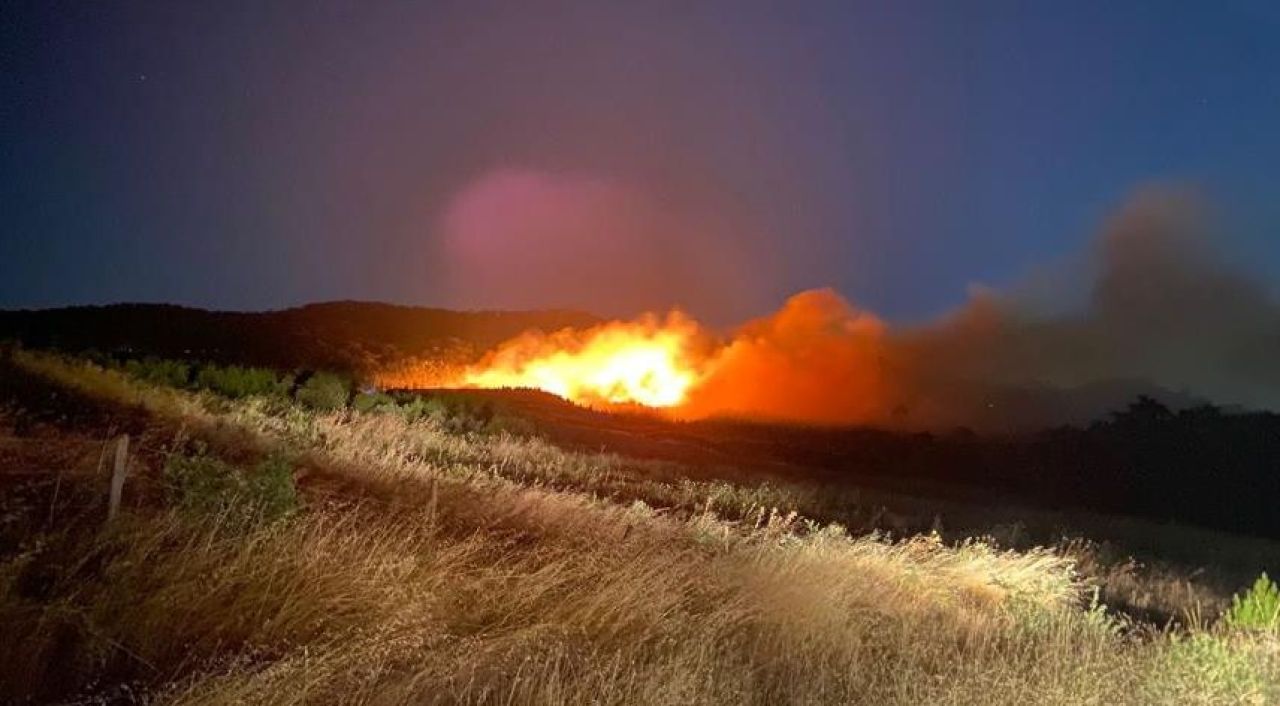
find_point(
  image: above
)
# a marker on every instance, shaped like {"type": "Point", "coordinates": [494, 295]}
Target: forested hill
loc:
{"type": "Point", "coordinates": [342, 335]}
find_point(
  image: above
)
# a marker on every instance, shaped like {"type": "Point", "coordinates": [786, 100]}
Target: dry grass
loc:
{"type": "Point", "coordinates": [457, 569]}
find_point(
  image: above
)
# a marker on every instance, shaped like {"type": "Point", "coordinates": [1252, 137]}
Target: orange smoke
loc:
{"type": "Point", "coordinates": [817, 360]}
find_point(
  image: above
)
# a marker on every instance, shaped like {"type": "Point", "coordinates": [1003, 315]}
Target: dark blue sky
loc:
{"type": "Point", "coordinates": [258, 155]}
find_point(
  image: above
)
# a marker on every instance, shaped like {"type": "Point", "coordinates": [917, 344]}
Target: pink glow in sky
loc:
{"type": "Point", "coordinates": [526, 238]}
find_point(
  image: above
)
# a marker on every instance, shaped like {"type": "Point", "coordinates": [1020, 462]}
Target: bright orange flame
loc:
{"type": "Point", "coordinates": [817, 359]}
{"type": "Point", "coordinates": [644, 362]}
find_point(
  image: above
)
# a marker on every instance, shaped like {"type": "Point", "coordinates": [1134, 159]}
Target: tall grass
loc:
{"type": "Point", "coordinates": [494, 569]}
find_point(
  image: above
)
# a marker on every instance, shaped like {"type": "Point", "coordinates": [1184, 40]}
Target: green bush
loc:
{"type": "Point", "coordinates": [1257, 609]}
{"type": "Point", "coordinates": [324, 392]}
{"type": "Point", "coordinates": [436, 408]}
{"type": "Point", "coordinates": [271, 488]}
{"type": "Point", "coordinates": [235, 381]}
{"type": "Point", "coordinates": [208, 485]}
{"type": "Point", "coordinates": [1194, 666]}
{"type": "Point", "coordinates": [415, 407]}
{"type": "Point", "coordinates": [460, 413]}
{"type": "Point", "coordinates": [373, 402]}
{"type": "Point", "coordinates": [159, 371]}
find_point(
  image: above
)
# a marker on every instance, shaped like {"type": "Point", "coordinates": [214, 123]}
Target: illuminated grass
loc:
{"type": "Point", "coordinates": [495, 569]}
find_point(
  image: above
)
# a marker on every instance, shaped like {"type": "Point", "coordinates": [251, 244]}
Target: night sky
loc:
{"type": "Point", "coordinates": [613, 157]}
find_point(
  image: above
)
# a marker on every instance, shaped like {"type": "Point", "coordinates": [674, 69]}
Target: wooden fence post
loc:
{"type": "Point", "coordinates": [117, 476]}
{"type": "Point", "coordinates": [433, 503]}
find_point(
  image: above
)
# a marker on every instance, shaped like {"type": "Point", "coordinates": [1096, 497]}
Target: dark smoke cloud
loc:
{"type": "Point", "coordinates": [1163, 310]}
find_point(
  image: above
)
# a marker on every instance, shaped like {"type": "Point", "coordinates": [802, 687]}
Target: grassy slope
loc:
{"type": "Point", "coordinates": [1147, 568]}
{"type": "Point", "coordinates": [431, 567]}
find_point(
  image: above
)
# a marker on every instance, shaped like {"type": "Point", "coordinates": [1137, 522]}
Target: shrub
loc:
{"type": "Point", "coordinates": [431, 407]}
{"type": "Point", "coordinates": [235, 382]}
{"type": "Point", "coordinates": [411, 409]}
{"type": "Point", "coordinates": [1203, 668]}
{"type": "Point", "coordinates": [158, 371]}
{"type": "Point", "coordinates": [323, 391]}
{"type": "Point", "coordinates": [373, 402]}
{"type": "Point", "coordinates": [208, 485]}
{"type": "Point", "coordinates": [459, 413]}
{"type": "Point", "coordinates": [1257, 609]}
{"type": "Point", "coordinates": [271, 488]}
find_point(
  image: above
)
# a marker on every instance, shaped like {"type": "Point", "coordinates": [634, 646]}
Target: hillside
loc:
{"type": "Point", "coordinates": [1174, 460]}
{"type": "Point", "coordinates": [351, 336]}
{"type": "Point", "coordinates": [269, 553]}
{"type": "Point", "coordinates": [1143, 460]}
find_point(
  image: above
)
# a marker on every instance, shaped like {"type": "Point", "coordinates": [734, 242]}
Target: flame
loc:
{"type": "Point", "coordinates": [817, 359]}
{"type": "Point", "coordinates": [647, 362]}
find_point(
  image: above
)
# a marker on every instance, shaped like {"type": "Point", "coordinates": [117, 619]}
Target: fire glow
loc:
{"type": "Point", "coordinates": [649, 362]}
{"type": "Point", "coordinates": [815, 359]}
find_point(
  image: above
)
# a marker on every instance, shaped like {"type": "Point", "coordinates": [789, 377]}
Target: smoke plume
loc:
{"type": "Point", "coordinates": [1151, 311]}
{"type": "Point", "coordinates": [1162, 315]}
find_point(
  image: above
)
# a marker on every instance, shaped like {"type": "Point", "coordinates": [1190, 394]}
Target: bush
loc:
{"type": "Point", "coordinates": [324, 392]}
{"type": "Point", "coordinates": [1210, 669]}
{"type": "Point", "coordinates": [158, 371]}
{"type": "Point", "coordinates": [1257, 609]}
{"type": "Point", "coordinates": [235, 382]}
{"type": "Point", "coordinates": [373, 402]}
{"type": "Point", "coordinates": [459, 413]}
{"type": "Point", "coordinates": [208, 485]}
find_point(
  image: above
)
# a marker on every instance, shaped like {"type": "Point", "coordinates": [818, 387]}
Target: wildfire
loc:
{"type": "Point", "coordinates": [817, 359]}
{"type": "Point", "coordinates": [648, 362]}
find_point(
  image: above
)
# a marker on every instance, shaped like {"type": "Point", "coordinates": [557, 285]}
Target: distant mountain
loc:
{"type": "Point", "coordinates": [343, 335]}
